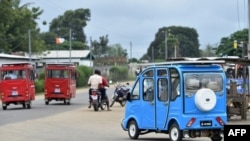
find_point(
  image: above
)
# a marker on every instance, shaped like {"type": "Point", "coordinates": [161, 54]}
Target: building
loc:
{"type": "Point", "coordinates": [78, 57]}
{"type": "Point", "coordinates": [8, 58]}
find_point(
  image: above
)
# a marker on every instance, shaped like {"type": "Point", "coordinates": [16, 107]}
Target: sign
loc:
{"type": "Point", "coordinates": [236, 132]}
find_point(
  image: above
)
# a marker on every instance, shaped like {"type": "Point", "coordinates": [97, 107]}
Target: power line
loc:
{"type": "Point", "coordinates": [238, 14]}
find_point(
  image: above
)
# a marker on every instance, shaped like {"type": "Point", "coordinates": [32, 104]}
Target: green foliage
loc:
{"type": "Point", "coordinates": [70, 23]}
{"type": "Point", "coordinates": [80, 81]}
{"type": "Point", "coordinates": [100, 48]}
{"type": "Point", "coordinates": [71, 20]}
{"type": "Point", "coordinates": [84, 73]}
{"type": "Point", "coordinates": [226, 48]}
{"type": "Point", "coordinates": [208, 51]}
{"type": "Point", "coordinates": [118, 73]}
{"type": "Point", "coordinates": [15, 22]}
{"type": "Point", "coordinates": [117, 50]}
{"type": "Point", "coordinates": [182, 39]}
{"type": "Point", "coordinates": [41, 76]}
{"type": "Point", "coordinates": [133, 60]}
{"type": "Point", "coordinates": [39, 85]}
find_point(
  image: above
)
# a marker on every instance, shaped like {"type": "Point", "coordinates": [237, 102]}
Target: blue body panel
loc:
{"type": "Point", "coordinates": [158, 115]}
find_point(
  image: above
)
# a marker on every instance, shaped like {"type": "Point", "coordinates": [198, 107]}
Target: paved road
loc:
{"type": "Point", "coordinates": [78, 124]}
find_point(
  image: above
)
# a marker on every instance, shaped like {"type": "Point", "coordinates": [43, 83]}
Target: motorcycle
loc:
{"type": "Point", "coordinates": [97, 100]}
{"type": "Point", "coordinates": [120, 94]}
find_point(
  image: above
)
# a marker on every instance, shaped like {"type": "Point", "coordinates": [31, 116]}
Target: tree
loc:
{"type": "Point", "coordinates": [71, 20]}
{"type": "Point", "coordinates": [209, 51]}
{"type": "Point", "coordinates": [108, 54]}
{"type": "Point", "coordinates": [133, 60]}
{"type": "Point", "coordinates": [100, 48]}
{"type": "Point", "coordinates": [226, 46]}
{"type": "Point", "coordinates": [117, 50]}
{"type": "Point", "coordinates": [15, 22]}
{"type": "Point", "coordinates": [182, 41]}
{"type": "Point", "coordinates": [70, 23]}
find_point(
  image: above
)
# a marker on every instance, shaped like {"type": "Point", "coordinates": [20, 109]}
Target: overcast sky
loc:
{"type": "Point", "coordinates": [137, 21]}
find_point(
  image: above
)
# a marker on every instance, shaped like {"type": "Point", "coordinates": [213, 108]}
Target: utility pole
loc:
{"type": "Point", "coordinates": [248, 45]}
{"type": "Point", "coordinates": [153, 57]}
{"type": "Point", "coordinates": [130, 51]}
{"type": "Point", "coordinates": [70, 48]}
{"type": "Point", "coordinates": [90, 52]}
{"type": "Point", "coordinates": [244, 116]}
{"type": "Point", "coordinates": [166, 44]}
{"type": "Point", "coordinates": [29, 45]}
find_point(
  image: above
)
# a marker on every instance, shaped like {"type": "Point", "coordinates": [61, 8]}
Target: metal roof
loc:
{"type": "Point", "coordinates": [203, 60]}
{"type": "Point", "coordinates": [65, 54]}
{"type": "Point", "coordinates": [2, 55]}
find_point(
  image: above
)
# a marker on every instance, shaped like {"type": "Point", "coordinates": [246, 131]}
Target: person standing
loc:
{"type": "Point", "coordinates": [94, 82]}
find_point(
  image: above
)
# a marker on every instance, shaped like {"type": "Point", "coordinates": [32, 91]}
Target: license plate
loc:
{"type": "Point", "coordinates": [206, 123]}
{"type": "Point", "coordinates": [14, 93]}
{"type": "Point", "coordinates": [57, 90]}
{"type": "Point", "coordinates": [94, 97]}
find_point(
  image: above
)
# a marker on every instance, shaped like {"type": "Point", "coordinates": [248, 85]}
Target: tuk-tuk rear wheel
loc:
{"type": "Point", "coordinates": [46, 101]}
{"type": "Point", "coordinates": [67, 101]}
{"type": "Point", "coordinates": [28, 105]}
{"type": "Point", "coordinates": [4, 107]}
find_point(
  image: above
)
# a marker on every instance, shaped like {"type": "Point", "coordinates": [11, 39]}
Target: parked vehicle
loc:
{"type": "Point", "coordinates": [120, 94]}
{"type": "Point", "coordinates": [185, 99]}
{"type": "Point", "coordinates": [17, 84]}
{"type": "Point", "coordinates": [60, 82]}
{"type": "Point", "coordinates": [97, 100]}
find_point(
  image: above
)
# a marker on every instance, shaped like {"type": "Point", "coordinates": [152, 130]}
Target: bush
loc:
{"type": "Point", "coordinates": [118, 73]}
{"type": "Point", "coordinates": [80, 80]}
{"type": "Point", "coordinates": [39, 85]}
{"type": "Point", "coordinates": [84, 73]}
{"type": "Point", "coordinates": [41, 76]}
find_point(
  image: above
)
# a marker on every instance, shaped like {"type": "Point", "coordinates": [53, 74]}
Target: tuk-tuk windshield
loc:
{"type": "Point", "coordinates": [57, 73]}
{"type": "Point", "coordinates": [195, 81]}
{"type": "Point", "coordinates": [13, 74]}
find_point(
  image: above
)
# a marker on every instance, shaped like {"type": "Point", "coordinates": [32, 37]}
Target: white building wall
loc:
{"type": "Point", "coordinates": [62, 60]}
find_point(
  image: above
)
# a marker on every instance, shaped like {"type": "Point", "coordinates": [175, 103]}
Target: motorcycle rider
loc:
{"type": "Point", "coordinates": [94, 82]}
{"type": "Point", "coordinates": [102, 88]}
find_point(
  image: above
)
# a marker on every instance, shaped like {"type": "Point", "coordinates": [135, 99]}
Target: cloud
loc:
{"type": "Point", "coordinates": [137, 21]}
